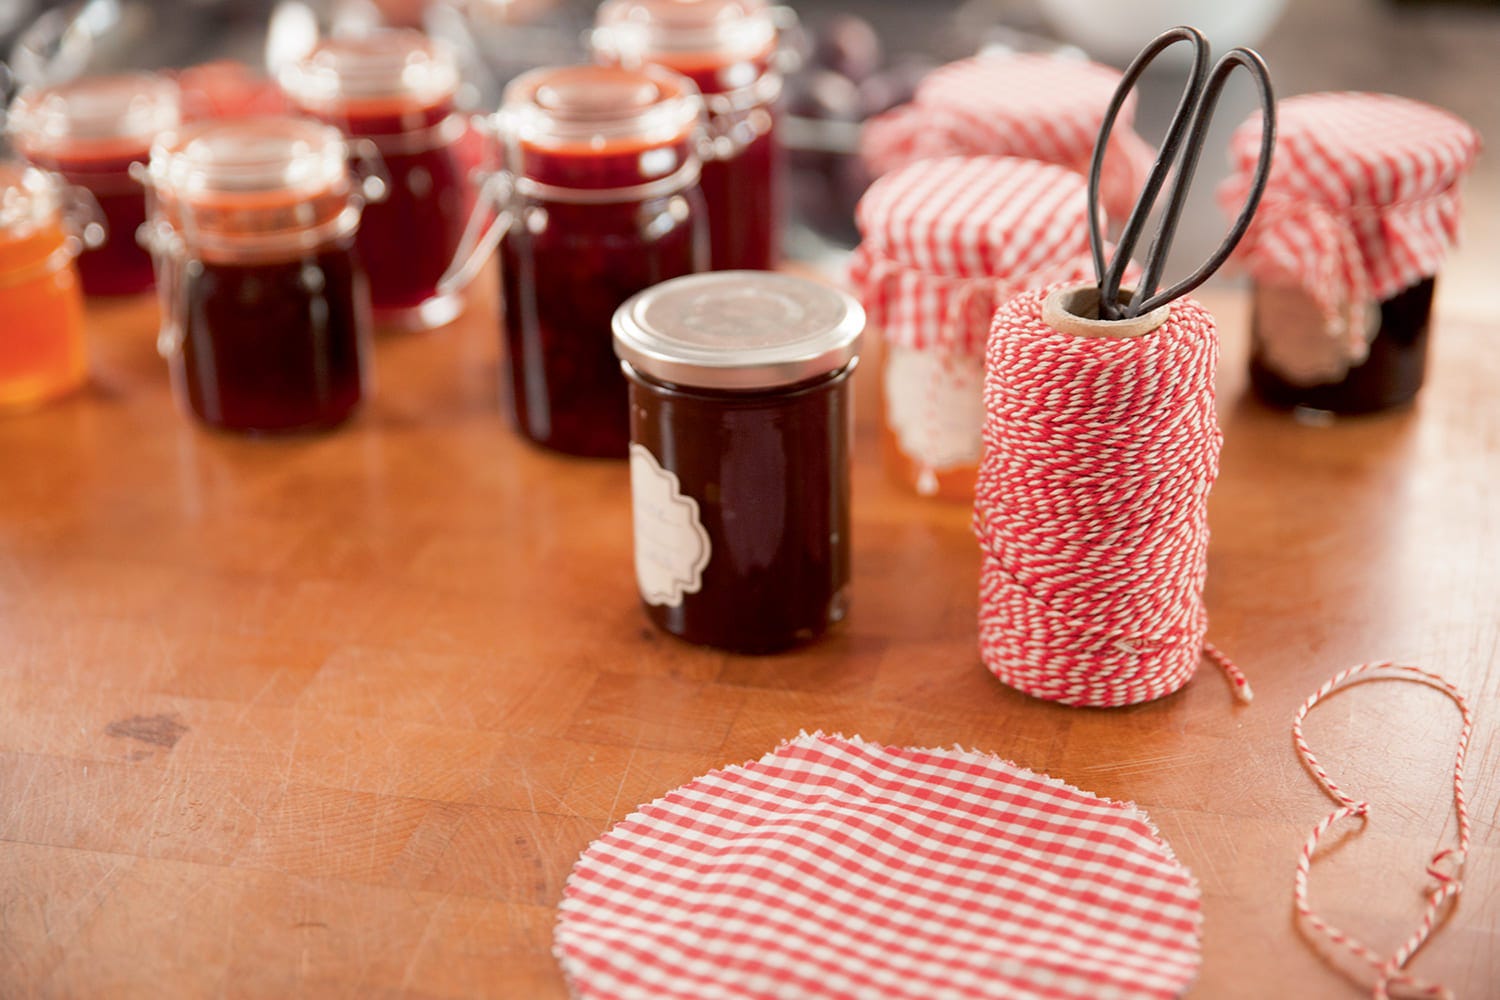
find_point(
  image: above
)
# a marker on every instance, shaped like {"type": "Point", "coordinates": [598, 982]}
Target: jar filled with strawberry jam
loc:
{"type": "Point", "coordinates": [602, 201]}
{"type": "Point", "coordinates": [729, 49]}
{"type": "Point", "coordinates": [42, 352]}
{"type": "Point", "coordinates": [395, 89]}
{"type": "Point", "coordinates": [91, 131]}
{"type": "Point", "coordinates": [740, 421]}
{"type": "Point", "coordinates": [265, 310]}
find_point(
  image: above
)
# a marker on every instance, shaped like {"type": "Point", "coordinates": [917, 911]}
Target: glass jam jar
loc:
{"type": "Point", "coordinates": [265, 310]}
{"type": "Point", "coordinates": [740, 426]}
{"type": "Point", "coordinates": [1361, 207]}
{"type": "Point", "coordinates": [395, 89]}
{"type": "Point", "coordinates": [601, 200]}
{"type": "Point", "coordinates": [42, 352]}
{"type": "Point", "coordinates": [91, 131]}
{"type": "Point", "coordinates": [729, 49]}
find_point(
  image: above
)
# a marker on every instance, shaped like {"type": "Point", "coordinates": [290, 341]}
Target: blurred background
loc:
{"type": "Point", "coordinates": [859, 57]}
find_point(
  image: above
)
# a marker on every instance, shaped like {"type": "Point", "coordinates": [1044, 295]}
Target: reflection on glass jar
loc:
{"type": "Point", "coordinates": [265, 311]}
{"type": "Point", "coordinates": [91, 131]}
{"type": "Point", "coordinates": [728, 48]}
{"type": "Point", "coordinates": [741, 419]}
{"type": "Point", "coordinates": [601, 194]}
{"type": "Point", "coordinates": [42, 352]}
{"type": "Point", "coordinates": [396, 90]}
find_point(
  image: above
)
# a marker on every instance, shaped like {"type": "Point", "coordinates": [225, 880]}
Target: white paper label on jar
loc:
{"type": "Point", "coordinates": [934, 404]}
{"type": "Point", "coordinates": [1302, 346]}
{"type": "Point", "coordinates": [671, 545]}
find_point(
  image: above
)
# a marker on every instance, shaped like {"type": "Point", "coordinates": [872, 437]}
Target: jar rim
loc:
{"type": "Point", "coordinates": [599, 106]}
{"type": "Point", "coordinates": [389, 64]}
{"type": "Point", "coordinates": [643, 30]}
{"type": "Point", "coordinates": [93, 110]}
{"type": "Point", "coordinates": [738, 330]}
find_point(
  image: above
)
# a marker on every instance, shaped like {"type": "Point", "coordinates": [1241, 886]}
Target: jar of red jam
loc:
{"type": "Point", "coordinates": [265, 310]}
{"type": "Point", "coordinates": [1357, 218]}
{"type": "Point", "coordinates": [944, 242]}
{"type": "Point", "coordinates": [91, 131]}
{"type": "Point", "coordinates": [601, 200]}
{"type": "Point", "coordinates": [395, 89]}
{"type": "Point", "coordinates": [42, 230]}
{"type": "Point", "coordinates": [740, 427]}
{"type": "Point", "coordinates": [729, 49]}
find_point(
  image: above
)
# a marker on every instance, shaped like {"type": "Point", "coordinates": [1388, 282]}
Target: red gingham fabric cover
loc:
{"type": "Point", "coordinates": [1041, 107]}
{"type": "Point", "coordinates": [945, 241]}
{"type": "Point", "coordinates": [1362, 201]}
{"type": "Point", "coordinates": [839, 868]}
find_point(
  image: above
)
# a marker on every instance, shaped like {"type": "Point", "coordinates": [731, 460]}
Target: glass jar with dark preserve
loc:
{"type": "Point", "coordinates": [599, 196]}
{"type": "Point", "coordinates": [92, 131]}
{"type": "Point", "coordinates": [396, 90]}
{"type": "Point", "coordinates": [1360, 209]}
{"type": "Point", "coordinates": [741, 420]}
{"type": "Point", "coordinates": [265, 310]}
{"type": "Point", "coordinates": [729, 49]}
{"type": "Point", "coordinates": [42, 228]}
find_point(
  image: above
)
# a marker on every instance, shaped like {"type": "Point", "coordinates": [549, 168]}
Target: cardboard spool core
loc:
{"type": "Point", "coordinates": [1074, 309]}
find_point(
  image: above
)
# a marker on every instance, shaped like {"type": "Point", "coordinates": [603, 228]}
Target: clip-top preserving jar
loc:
{"type": "Point", "coordinates": [91, 131]}
{"type": "Point", "coordinates": [729, 49]}
{"type": "Point", "coordinates": [265, 311]}
{"type": "Point", "coordinates": [1361, 207]}
{"type": "Point", "coordinates": [42, 352]}
{"type": "Point", "coordinates": [740, 425]}
{"type": "Point", "coordinates": [599, 199]}
{"type": "Point", "coordinates": [395, 89]}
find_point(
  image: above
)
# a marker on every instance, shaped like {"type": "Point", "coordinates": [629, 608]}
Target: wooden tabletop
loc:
{"type": "Point", "coordinates": [335, 715]}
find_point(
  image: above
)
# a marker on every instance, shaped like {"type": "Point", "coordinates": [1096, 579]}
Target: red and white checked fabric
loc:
{"type": "Point", "coordinates": [1040, 107]}
{"type": "Point", "coordinates": [1091, 506]}
{"type": "Point", "coordinates": [944, 241]}
{"type": "Point", "coordinates": [1362, 201]}
{"type": "Point", "coordinates": [836, 868]}
{"type": "Point", "coordinates": [1445, 868]}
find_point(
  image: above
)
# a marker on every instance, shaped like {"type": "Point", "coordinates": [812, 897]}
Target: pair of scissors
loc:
{"type": "Point", "coordinates": [1185, 137]}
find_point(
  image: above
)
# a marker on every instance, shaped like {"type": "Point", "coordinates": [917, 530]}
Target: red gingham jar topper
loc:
{"type": "Point", "coordinates": [1361, 207]}
{"type": "Point", "coordinates": [945, 241]}
{"type": "Point", "coordinates": [1040, 107]}
{"type": "Point", "coordinates": [839, 868]}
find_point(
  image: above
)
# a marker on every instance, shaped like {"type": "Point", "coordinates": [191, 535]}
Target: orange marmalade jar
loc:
{"type": "Point", "coordinates": [41, 300]}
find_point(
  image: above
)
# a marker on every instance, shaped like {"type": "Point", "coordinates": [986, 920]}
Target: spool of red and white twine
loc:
{"type": "Point", "coordinates": [1444, 869]}
{"type": "Point", "coordinates": [1100, 446]}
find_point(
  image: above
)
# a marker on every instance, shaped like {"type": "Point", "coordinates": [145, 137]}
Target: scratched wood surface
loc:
{"type": "Point", "coordinates": [335, 715]}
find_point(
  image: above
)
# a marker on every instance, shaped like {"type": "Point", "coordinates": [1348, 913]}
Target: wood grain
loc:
{"type": "Point", "coordinates": [335, 715]}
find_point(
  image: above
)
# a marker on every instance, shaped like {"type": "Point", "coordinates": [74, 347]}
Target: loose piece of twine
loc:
{"type": "Point", "coordinates": [1389, 971]}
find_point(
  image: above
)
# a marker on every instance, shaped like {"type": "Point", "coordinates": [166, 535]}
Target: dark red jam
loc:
{"type": "Point", "coordinates": [726, 48]}
{"type": "Point", "coordinates": [1390, 375]}
{"type": "Point", "coordinates": [593, 222]}
{"type": "Point", "coordinates": [770, 474]}
{"type": "Point", "coordinates": [92, 131]}
{"type": "Point", "coordinates": [273, 347]}
{"type": "Point", "coordinates": [740, 419]}
{"type": "Point", "coordinates": [395, 90]}
{"type": "Point", "coordinates": [118, 266]}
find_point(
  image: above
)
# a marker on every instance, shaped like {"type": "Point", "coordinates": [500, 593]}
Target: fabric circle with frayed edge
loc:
{"type": "Point", "coordinates": [835, 867]}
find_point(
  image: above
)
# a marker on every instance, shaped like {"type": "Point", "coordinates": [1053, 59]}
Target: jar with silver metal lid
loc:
{"type": "Point", "coordinates": [740, 430]}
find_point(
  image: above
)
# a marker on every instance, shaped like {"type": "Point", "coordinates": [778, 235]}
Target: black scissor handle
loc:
{"type": "Point", "coordinates": [1185, 138]}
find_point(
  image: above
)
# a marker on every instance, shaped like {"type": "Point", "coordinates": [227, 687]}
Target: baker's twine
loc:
{"type": "Point", "coordinates": [1444, 869]}
{"type": "Point", "coordinates": [1091, 507]}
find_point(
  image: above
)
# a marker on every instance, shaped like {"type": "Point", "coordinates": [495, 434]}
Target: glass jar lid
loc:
{"type": "Point", "coordinates": [131, 108]}
{"type": "Point", "coordinates": [30, 199]}
{"type": "Point", "coordinates": [738, 330]}
{"type": "Point", "coordinates": [592, 105]}
{"type": "Point", "coordinates": [635, 31]}
{"type": "Point", "coordinates": [394, 64]}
